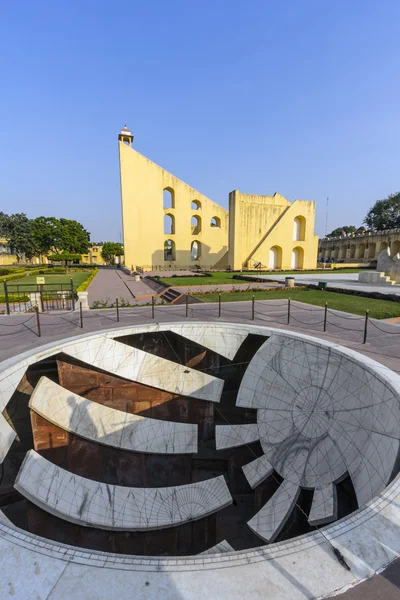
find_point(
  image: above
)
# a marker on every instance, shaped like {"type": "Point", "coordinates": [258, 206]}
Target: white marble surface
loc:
{"type": "Point", "coordinates": [304, 567]}
{"type": "Point", "coordinates": [220, 548]}
{"type": "Point", "coordinates": [7, 437]}
{"type": "Point", "coordinates": [96, 504]}
{"type": "Point", "coordinates": [257, 471]}
{"type": "Point", "coordinates": [324, 505]}
{"type": "Point", "coordinates": [137, 365]}
{"type": "Point", "coordinates": [224, 340]}
{"type": "Point", "coordinates": [108, 426]}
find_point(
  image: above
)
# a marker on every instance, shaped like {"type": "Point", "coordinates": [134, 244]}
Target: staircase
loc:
{"type": "Point", "coordinates": [170, 295]}
{"type": "Point", "coordinates": [377, 277]}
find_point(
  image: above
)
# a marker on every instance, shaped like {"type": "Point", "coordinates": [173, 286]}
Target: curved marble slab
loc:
{"type": "Point", "coordinates": [324, 505]}
{"type": "Point", "coordinates": [224, 340]}
{"type": "Point", "coordinates": [137, 365]}
{"type": "Point", "coordinates": [320, 401]}
{"type": "Point", "coordinates": [109, 426]}
{"type": "Point", "coordinates": [220, 548]}
{"type": "Point", "coordinates": [231, 436]}
{"type": "Point", "coordinates": [95, 504]}
{"type": "Point", "coordinates": [7, 436]}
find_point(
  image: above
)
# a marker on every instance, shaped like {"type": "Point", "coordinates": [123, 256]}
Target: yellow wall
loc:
{"type": "Point", "coordinates": [142, 185]}
{"type": "Point", "coordinates": [253, 226]}
{"type": "Point", "coordinates": [93, 257]}
{"type": "Point", "coordinates": [259, 223]}
{"type": "Point", "coordinates": [6, 258]}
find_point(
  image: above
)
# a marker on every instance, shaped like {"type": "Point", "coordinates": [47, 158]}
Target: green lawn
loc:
{"type": "Point", "coordinates": [220, 277]}
{"type": "Point", "coordinates": [378, 309]}
{"type": "Point", "coordinates": [78, 277]}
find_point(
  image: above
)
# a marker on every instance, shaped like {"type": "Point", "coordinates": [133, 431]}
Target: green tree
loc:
{"type": "Point", "coordinates": [45, 232]}
{"type": "Point", "coordinates": [72, 237]}
{"type": "Point", "coordinates": [110, 250]}
{"type": "Point", "coordinates": [17, 230]}
{"type": "Point", "coordinates": [339, 230]}
{"type": "Point", "coordinates": [385, 214]}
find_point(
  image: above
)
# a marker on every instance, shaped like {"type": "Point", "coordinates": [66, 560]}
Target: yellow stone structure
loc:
{"type": "Point", "coordinates": [7, 257]}
{"type": "Point", "coordinates": [169, 225]}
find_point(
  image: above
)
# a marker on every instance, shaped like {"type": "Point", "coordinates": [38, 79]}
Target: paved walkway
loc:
{"type": "Point", "coordinates": [345, 281]}
{"type": "Point", "coordinates": [115, 283]}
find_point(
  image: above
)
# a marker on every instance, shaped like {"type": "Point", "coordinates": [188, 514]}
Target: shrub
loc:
{"type": "Point", "coordinates": [85, 284]}
{"type": "Point", "coordinates": [19, 275]}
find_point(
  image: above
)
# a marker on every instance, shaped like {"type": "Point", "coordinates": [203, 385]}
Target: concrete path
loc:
{"type": "Point", "coordinates": [115, 283]}
{"type": "Point", "coordinates": [345, 281]}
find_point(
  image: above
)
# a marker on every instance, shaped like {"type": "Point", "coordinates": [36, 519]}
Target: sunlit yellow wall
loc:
{"type": "Point", "coordinates": [142, 185]}
{"type": "Point", "coordinates": [6, 258]}
{"type": "Point", "coordinates": [93, 257]}
{"type": "Point", "coordinates": [259, 223]}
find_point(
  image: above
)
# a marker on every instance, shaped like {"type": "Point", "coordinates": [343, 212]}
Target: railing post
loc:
{"type": "Point", "coordinates": [38, 322]}
{"type": "Point", "coordinates": [41, 297]}
{"type": "Point", "coordinates": [252, 308]}
{"type": "Point", "coordinates": [219, 305]}
{"type": "Point", "coordinates": [117, 305]}
{"type": "Point", "coordinates": [81, 314]}
{"type": "Point", "coordinates": [186, 300]}
{"type": "Point", "coordinates": [6, 295]}
{"type": "Point", "coordinates": [325, 315]}
{"type": "Point", "coordinates": [152, 307]}
{"type": "Point", "coordinates": [365, 326]}
{"type": "Point", "coordinates": [288, 311]}
{"type": "Point", "coordinates": [72, 294]}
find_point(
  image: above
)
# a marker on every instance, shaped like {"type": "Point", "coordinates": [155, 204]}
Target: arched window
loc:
{"type": "Point", "coordinates": [343, 252]}
{"type": "Point", "coordinates": [195, 250]}
{"type": "Point", "coordinates": [168, 198]}
{"type": "Point", "coordinates": [275, 258]}
{"type": "Point", "coordinates": [196, 205]}
{"type": "Point", "coordinates": [372, 250]}
{"type": "Point", "coordinates": [361, 251]}
{"type": "Point", "coordinates": [299, 229]}
{"type": "Point", "coordinates": [395, 248]}
{"type": "Point", "coordinates": [196, 225]}
{"type": "Point", "coordinates": [352, 251]}
{"type": "Point", "coordinates": [169, 250]}
{"type": "Point", "coordinates": [383, 246]}
{"type": "Point", "coordinates": [336, 252]}
{"type": "Point", "coordinates": [169, 224]}
{"type": "Point", "coordinates": [215, 222]}
{"type": "Point", "coordinates": [297, 258]}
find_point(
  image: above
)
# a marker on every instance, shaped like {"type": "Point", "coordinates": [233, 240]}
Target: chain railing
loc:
{"type": "Point", "coordinates": [282, 312]}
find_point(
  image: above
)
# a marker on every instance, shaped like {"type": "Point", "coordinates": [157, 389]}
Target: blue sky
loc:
{"type": "Point", "coordinates": [300, 97]}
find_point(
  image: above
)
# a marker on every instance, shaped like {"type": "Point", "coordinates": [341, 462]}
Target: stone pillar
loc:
{"type": "Point", "coordinates": [83, 299]}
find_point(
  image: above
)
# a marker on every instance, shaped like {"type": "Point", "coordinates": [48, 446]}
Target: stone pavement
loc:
{"type": "Point", "coordinates": [115, 283]}
{"type": "Point", "coordinates": [345, 281]}
{"type": "Point", "coordinates": [19, 333]}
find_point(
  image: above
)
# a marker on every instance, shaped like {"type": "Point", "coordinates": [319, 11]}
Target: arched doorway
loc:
{"type": "Point", "coordinates": [343, 252]}
{"type": "Point", "coordinates": [275, 257]}
{"type": "Point", "coordinates": [336, 252]}
{"type": "Point", "coordinates": [395, 248]}
{"type": "Point", "coordinates": [382, 246]}
{"type": "Point", "coordinates": [352, 251]}
{"type": "Point", "coordinates": [299, 229]}
{"type": "Point", "coordinates": [361, 250]}
{"type": "Point", "coordinates": [372, 250]}
{"type": "Point", "coordinates": [169, 250]}
{"type": "Point", "coordinates": [297, 258]}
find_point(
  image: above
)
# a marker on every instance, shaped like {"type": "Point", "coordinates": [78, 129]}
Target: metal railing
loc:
{"type": "Point", "coordinates": [25, 297]}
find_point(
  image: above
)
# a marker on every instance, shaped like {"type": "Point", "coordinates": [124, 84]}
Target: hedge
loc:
{"type": "Point", "coordinates": [85, 284]}
{"type": "Point", "coordinates": [10, 277]}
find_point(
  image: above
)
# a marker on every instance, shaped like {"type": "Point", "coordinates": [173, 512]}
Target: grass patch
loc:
{"type": "Point", "coordinates": [77, 277]}
{"type": "Point", "coordinates": [357, 305]}
{"type": "Point", "coordinates": [221, 277]}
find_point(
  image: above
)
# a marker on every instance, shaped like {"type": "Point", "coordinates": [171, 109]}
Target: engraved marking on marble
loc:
{"type": "Point", "coordinates": [95, 504]}
{"type": "Point", "coordinates": [109, 426]}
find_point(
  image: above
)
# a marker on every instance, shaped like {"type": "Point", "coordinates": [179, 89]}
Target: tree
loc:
{"type": "Point", "coordinates": [45, 232]}
{"type": "Point", "coordinates": [17, 230]}
{"type": "Point", "coordinates": [340, 230]}
{"type": "Point", "coordinates": [65, 257]}
{"type": "Point", "coordinates": [385, 214]}
{"type": "Point", "coordinates": [110, 250]}
{"type": "Point", "coordinates": [72, 237]}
